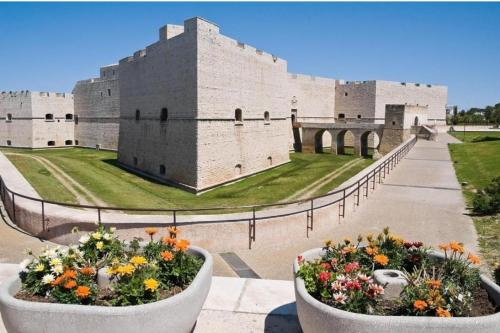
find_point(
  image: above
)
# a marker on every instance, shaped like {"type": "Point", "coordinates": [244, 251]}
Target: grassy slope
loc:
{"type": "Point", "coordinates": [47, 186]}
{"type": "Point", "coordinates": [97, 171]}
{"type": "Point", "coordinates": [476, 164]}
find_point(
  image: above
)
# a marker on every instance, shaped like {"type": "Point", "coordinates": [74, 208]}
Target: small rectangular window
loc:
{"type": "Point", "coordinates": [9, 143]}
{"type": "Point", "coordinates": [9, 117]}
{"type": "Point", "coordinates": [162, 169]}
{"type": "Point", "coordinates": [109, 92]}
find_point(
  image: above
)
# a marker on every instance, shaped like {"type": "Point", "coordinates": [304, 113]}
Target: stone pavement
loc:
{"type": "Point", "coordinates": [420, 200]}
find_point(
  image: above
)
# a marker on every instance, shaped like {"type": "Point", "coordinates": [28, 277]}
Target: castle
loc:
{"type": "Point", "coordinates": [198, 109]}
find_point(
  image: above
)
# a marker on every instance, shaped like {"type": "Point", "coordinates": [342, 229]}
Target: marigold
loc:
{"type": "Point", "coordinates": [182, 245]}
{"type": "Point", "coordinates": [434, 284]}
{"type": "Point", "coordinates": [381, 259]}
{"type": "Point", "coordinates": [151, 231]}
{"type": "Point", "coordinates": [371, 250]}
{"type": "Point", "coordinates": [87, 271]}
{"type": "Point", "coordinates": [173, 231]}
{"type": "Point", "coordinates": [69, 274]}
{"type": "Point", "coordinates": [138, 260]}
{"type": "Point", "coordinates": [456, 247]}
{"type": "Point", "coordinates": [151, 284]}
{"type": "Point", "coordinates": [419, 305]}
{"type": "Point", "coordinates": [169, 241]}
{"type": "Point", "coordinates": [167, 255]}
{"type": "Point", "coordinates": [82, 292]}
{"type": "Point", "coordinates": [473, 259]}
{"type": "Point", "coordinates": [440, 312]}
{"type": "Point", "coordinates": [70, 284]}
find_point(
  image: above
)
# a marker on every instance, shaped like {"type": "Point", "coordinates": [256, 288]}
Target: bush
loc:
{"type": "Point", "coordinates": [487, 201]}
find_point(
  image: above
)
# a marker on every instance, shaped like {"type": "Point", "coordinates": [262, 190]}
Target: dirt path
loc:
{"type": "Point", "coordinates": [310, 189]}
{"type": "Point", "coordinates": [84, 196]}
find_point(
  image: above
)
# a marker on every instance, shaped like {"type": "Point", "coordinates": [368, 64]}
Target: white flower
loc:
{"type": "Point", "coordinates": [112, 229]}
{"type": "Point", "coordinates": [55, 262]}
{"type": "Point", "coordinates": [51, 253]}
{"type": "Point", "coordinates": [23, 266]}
{"type": "Point", "coordinates": [337, 286]}
{"type": "Point", "coordinates": [460, 297]}
{"type": "Point", "coordinates": [363, 277]}
{"type": "Point", "coordinates": [340, 298]}
{"type": "Point", "coordinates": [58, 269]}
{"type": "Point", "coordinates": [97, 235]}
{"type": "Point", "coordinates": [341, 278]}
{"type": "Point", "coordinates": [48, 278]}
{"type": "Point", "coordinates": [107, 236]}
{"type": "Point", "coordinates": [84, 239]}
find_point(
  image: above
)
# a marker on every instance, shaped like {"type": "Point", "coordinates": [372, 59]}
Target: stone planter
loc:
{"type": "Point", "coordinates": [315, 316]}
{"type": "Point", "coordinates": [175, 314]}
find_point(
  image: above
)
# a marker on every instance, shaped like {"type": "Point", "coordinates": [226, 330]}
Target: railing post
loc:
{"type": "Point", "coordinates": [310, 219]}
{"type": "Point", "coordinates": [14, 208]}
{"type": "Point", "coordinates": [379, 174]}
{"type": "Point", "coordinates": [367, 186]}
{"type": "Point", "coordinates": [99, 215]}
{"type": "Point", "coordinates": [43, 215]}
{"type": "Point", "coordinates": [357, 195]}
{"type": "Point", "coordinates": [174, 214]}
{"type": "Point", "coordinates": [373, 181]}
{"type": "Point", "coordinates": [251, 229]}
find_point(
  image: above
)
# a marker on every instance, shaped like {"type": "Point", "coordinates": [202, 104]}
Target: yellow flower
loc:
{"type": "Point", "coordinates": [111, 271]}
{"type": "Point", "coordinates": [39, 268]}
{"type": "Point", "coordinates": [396, 239]}
{"type": "Point", "coordinates": [97, 235]}
{"type": "Point", "coordinates": [127, 269]}
{"type": "Point", "coordinates": [55, 262]}
{"type": "Point", "coordinates": [151, 284]}
{"type": "Point", "coordinates": [99, 245]}
{"type": "Point", "coordinates": [138, 260]}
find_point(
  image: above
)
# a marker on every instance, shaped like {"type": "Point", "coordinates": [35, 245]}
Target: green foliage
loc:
{"type": "Point", "coordinates": [487, 201]}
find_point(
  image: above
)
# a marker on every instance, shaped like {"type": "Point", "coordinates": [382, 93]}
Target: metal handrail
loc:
{"type": "Point", "coordinates": [362, 184]}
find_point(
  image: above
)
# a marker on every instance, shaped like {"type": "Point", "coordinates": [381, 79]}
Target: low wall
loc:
{"type": "Point", "coordinates": [214, 232]}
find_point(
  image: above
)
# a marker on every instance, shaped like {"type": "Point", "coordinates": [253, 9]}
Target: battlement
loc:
{"type": "Point", "coordinates": [404, 84]}
{"type": "Point", "coordinates": [27, 93]}
{"type": "Point", "coordinates": [303, 77]}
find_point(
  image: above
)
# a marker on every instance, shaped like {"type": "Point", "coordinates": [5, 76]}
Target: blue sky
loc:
{"type": "Point", "coordinates": [49, 46]}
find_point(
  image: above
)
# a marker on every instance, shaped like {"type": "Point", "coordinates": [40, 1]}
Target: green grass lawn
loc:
{"type": "Point", "coordinates": [99, 173]}
{"type": "Point", "coordinates": [477, 163]}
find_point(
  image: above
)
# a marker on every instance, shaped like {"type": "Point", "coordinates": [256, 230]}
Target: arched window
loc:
{"type": "Point", "coordinates": [270, 160]}
{"type": "Point", "coordinates": [51, 143]}
{"type": "Point", "coordinates": [69, 116]}
{"type": "Point", "coordinates": [237, 169]}
{"type": "Point", "coordinates": [164, 114]}
{"type": "Point", "coordinates": [238, 115]}
{"type": "Point", "coordinates": [49, 116]}
{"type": "Point", "coordinates": [266, 117]}
{"type": "Point", "coordinates": [137, 115]}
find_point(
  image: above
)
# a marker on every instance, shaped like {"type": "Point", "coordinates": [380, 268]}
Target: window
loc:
{"type": "Point", "coordinates": [9, 143]}
{"type": "Point", "coordinates": [49, 116]}
{"type": "Point", "coordinates": [237, 169]}
{"type": "Point", "coordinates": [341, 115]}
{"type": "Point", "coordinates": [76, 119]}
{"type": "Point", "coordinates": [9, 117]}
{"type": "Point", "coordinates": [51, 143]}
{"type": "Point", "coordinates": [76, 142]}
{"type": "Point", "coordinates": [162, 169]}
{"type": "Point", "coordinates": [346, 94]}
{"type": "Point", "coordinates": [109, 92]}
{"type": "Point", "coordinates": [359, 116]}
{"type": "Point", "coordinates": [238, 116]}
{"type": "Point", "coordinates": [135, 161]}
{"type": "Point", "coordinates": [164, 114]}
{"type": "Point", "coordinates": [101, 94]}
{"type": "Point", "coordinates": [393, 123]}
{"type": "Point", "coordinates": [266, 117]}
{"type": "Point", "coordinates": [270, 160]}
{"type": "Point", "coordinates": [137, 115]}
{"type": "Point", "coordinates": [68, 142]}
{"type": "Point", "coordinates": [69, 116]}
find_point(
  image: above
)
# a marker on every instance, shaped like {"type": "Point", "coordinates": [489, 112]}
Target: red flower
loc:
{"type": "Point", "coordinates": [408, 245]}
{"type": "Point", "coordinates": [300, 259]}
{"type": "Point", "coordinates": [352, 266]}
{"type": "Point", "coordinates": [353, 285]}
{"type": "Point", "coordinates": [326, 265]}
{"type": "Point", "coordinates": [325, 276]}
{"type": "Point", "coordinates": [418, 244]}
{"type": "Point", "coordinates": [415, 258]}
{"type": "Point", "coordinates": [334, 261]}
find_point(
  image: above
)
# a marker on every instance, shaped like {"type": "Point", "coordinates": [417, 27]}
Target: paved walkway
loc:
{"type": "Point", "coordinates": [420, 200]}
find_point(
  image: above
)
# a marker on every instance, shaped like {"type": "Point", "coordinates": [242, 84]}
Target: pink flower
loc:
{"type": "Point", "coordinates": [340, 298]}
{"type": "Point", "coordinates": [337, 286]}
{"type": "Point", "coordinates": [326, 265]}
{"type": "Point", "coordinates": [353, 285]}
{"type": "Point", "coordinates": [325, 276]}
{"type": "Point", "coordinates": [363, 277]}
{"type": "Point", "coordinates": [334, 261]}
{"type": "Point", "coordinates": [341, 278]}
{"type": "Point", "coordinates": [417, 244]}
{"type": "Point", "coordinates": [352, 266]}
{"type": "Point", "coordinates": [375, 289]}
{"type": "Point", "coordinates": [300, 259]}
{"type": "Point", "coordinates": [408, 245]}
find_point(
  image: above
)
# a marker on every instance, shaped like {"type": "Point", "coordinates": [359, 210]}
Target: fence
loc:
{"type": "Point", "coordinates": [248, 214]}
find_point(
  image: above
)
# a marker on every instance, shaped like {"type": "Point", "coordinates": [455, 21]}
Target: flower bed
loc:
{"type": "Point", "coordinates": [162, 272]}
{"type": "Point", "coordinates": [340, 277]}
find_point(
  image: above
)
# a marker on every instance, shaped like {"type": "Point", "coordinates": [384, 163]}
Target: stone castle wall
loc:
{"type": "Point", "coordinates": [30, 127]}
{"type": "Point", "coordinates": [97, 110]}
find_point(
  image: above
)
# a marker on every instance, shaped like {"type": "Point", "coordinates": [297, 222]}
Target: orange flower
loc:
{"type": "Point", "coordinates": [419, 305]}
{"type": "Point", "coordinates": [473, 259]}
{"type": "Point", "coordinates": [371, 250]}
{"type": "Point", "coordinates": [443, 313]}
{"type": "Point", "coordinates": [434, 284]}
{"type": "Point", "coordinates": [70, 284]}
{"type": "Point", "coordinates": [381, 259]}
{"type": "Point", "coordinates": [169, 241]}
{"type": "Point", "coordinates": [445, 247]}
{"type": "Point", "coordinates": [57, 280]}
{"type": "Point", "coordinates": [456, 247]}
{"type": "Point", "coordinates": [151, 231]}
{"type": "Point", "coordinates": [167, 255]}
{"type": "Point", "coordinates": [348, 249]}
{"type": "Point", "coordinates": [82, 292]}
{"type": "Point", "coordinates": [87, 271]}
{"type": "Point", "coordinates": [70, 274]}
{"type": "Point", "coordinates": [182, 245]}
{"type": "Point", "coordinates": [173, 231]}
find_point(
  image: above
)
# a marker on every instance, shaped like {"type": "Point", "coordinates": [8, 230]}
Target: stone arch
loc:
{"type": "Point", "coordinates": [320, 140]}
{"type": "Point", "coordinates": [340, 140]}
{"type": "Point", "coordinates": [365, 139]}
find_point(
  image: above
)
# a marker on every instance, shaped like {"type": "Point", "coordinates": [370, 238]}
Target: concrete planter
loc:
{"type": "Point", "coordinates": [175, 314]}
{"type": "Point", "coordinates": [315, 316]}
